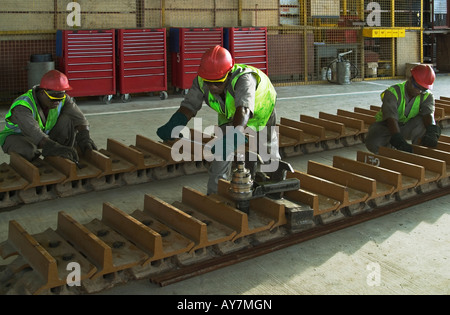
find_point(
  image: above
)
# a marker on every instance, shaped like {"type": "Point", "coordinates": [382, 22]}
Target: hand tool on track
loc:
{"type": "Point", "coordinates": [248, 183]}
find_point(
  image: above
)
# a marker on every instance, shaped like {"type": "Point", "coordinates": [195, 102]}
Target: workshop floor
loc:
{"type": "Point", "coordinates": [407, 252]}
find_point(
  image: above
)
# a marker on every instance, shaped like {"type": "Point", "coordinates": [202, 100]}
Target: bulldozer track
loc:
{"type": "Point", "coordinates": [24, 182]}
{"type": "Point", "coordinates": [169, 242]}
{"type": "Point", "coordinates": [187, 272]}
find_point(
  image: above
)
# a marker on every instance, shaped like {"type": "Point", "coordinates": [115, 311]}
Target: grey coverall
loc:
{"type": "Point", "coordinates": [379, 135]}
{"type": "Point", "coordinates": [63, 132]}
{"type": "Point", "coordinates": [244, 95]}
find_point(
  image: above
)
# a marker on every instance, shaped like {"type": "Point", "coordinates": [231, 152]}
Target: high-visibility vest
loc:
{"type": "Point", "coordinates": [401, 108]}
{"type": "Point", "coordinates": [265, 98]}
{"type": "Point", "coordinates": [29, 102]}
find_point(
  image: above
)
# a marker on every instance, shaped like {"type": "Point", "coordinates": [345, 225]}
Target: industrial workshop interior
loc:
{"type": "Point", "coordinates": [133, 214]}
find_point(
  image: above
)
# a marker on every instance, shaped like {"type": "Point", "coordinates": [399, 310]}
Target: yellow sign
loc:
{"type": "Point", "coordinates": [384, 32]}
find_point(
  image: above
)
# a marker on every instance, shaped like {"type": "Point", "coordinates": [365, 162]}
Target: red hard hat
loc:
{"type": "Point", "coordinates": [424, 75]}
{"type": "Point", "coordinates": [55, 81]}
{"type": "Point", "coordinates": [215, 64]}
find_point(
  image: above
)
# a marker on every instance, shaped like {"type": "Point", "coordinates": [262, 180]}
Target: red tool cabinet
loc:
{"type": "Point", "coordinates": [187, 46]}
{"type": "Point", "coordinates": [248, 45]}
{"type": "Point", "coordinates": [88, 60]}
{"type": "Point", "coordinates": [142, 62]}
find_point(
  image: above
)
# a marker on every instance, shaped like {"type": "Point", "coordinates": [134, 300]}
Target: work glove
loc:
{"type": "Point", "coordinates": [52, 148]}
{"type": "Point", "coordinates": [431, 136]}
{"type": "Point", "coordinates": [398, 142]}
{"type": "Point", "coordinates": [85, 142]}
{"type": "Point", "coordinates": [165, 131]}
{"type": "Point", "coordinates": [226, 146]}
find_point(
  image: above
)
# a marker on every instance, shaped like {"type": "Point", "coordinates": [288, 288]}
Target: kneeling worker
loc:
{"type": "Point", "coordinates": [407, 113]}
{"type": "Point", "coordinates": [46, 118]}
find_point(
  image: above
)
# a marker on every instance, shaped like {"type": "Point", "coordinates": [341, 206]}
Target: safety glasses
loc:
{"type": "Point", "coordinates": [54, 96]}
{"type": "Point", "coordinates": [218, 82]}
{"type": "Point", "coordinates": [418, 87]}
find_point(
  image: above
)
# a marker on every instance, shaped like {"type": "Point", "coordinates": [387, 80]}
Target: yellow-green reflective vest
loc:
{"type": "Point", "coordinates": [265, 98]}
{"type": "Point", "coordinates": [401, 108]}
{"type": "Point", "coordinates": [29, 102]}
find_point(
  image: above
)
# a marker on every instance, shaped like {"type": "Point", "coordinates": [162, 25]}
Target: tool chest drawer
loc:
{"type": "Point", "coordinates": [187, 46]}
{"type": "Point", "coordinates": [248, 45]}
{"type": "Point", "coordinates": [88, 60]}
{"type": "Point", "coordinates": [142, 61]}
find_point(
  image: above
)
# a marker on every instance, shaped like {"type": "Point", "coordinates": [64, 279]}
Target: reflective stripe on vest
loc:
{"type": "Point", "coordinates": [265, 98]}
{"type": "Point", "coordinates": [401, 108]}
{"type": "Point", "coordinates": [28, 101]}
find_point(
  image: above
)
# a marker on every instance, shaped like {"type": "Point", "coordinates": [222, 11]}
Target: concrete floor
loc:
{"type": "Point", "coordinates": [407, 252]}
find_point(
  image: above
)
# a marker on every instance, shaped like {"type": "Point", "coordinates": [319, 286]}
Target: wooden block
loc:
{"type": "Point", "coordinates": [49, 255]}
{"type": "Point", "coordinates": [443, 146]}
{"type": "Point", "coordinates": [439, 113]}
{"type": "Point", "coordinates": [173, 242]}
{"type": "Point", "coordinates": [118, 164]}
{"type": "Point", "coordinates": [125, 152]}
{"type": "Point", "coordinates": [444, 138]}
{"type": "Point", "coordinates": [333, 130]}
{"type": "Point", "coordinates": [157, 148]}
{"type": "Point", "coordinates": [314, 130]}
{"type": "Point", "coordinates": [368, 119]}
{"type": "Point", "coordinates": [141, 235]}
{"type": "Point", "coordinates": [102, 162]}
{"type": "Point", "coordinates": [10, 179]}
{"type": "Point", "coordinates": [64, 254]}
{"type": "Point", "coordinates": [291, 136]}
{"type": "Point", "coordinates": [435, 154]}
{"type": "Point", "coordinates": [216, 231]}
{"type": "Point", "coordinates": [38, 173]}
{"type": "Point", "coordinates": [325, 189]}
{"type": "Point", "coordinates": [412, 173]}
{"type": "Point", "coordinates": [359, 186]}
{"type": "Point", "coordinates": [124, 254]}
{"type": "Point", "coordinates": [109, 251]}
{"type": "Point", "coordinates": [444, 105]}
{"type": "Point", "coordinates": [388, 181]}
{"type": "Point", "coordinates": [84, 240]}
{"type": "Point", "coordinates": [431, 165]}
{"type": "Point", "coordinates": [369, 112]}
{"type": "Point", "coordinates": [350, 123]}
{"type": "Point", "coordinates": [220, 211]}
{"type": "Point", "coordinates": [307, 197]}
{"type": "Point", "coordinates": [327, 124]}
{"type": "Point", "coordinates": [178, 220]}
{"type": "Point", "coordinates": [71, 170]}
{"type": "Point", "coordinates": [36, 256]}
{"type": "Point", "coordinates": [444, 100]}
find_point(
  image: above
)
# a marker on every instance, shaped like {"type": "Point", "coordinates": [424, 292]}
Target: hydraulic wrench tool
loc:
{"type": "Point", "coordinates": [248, 183]}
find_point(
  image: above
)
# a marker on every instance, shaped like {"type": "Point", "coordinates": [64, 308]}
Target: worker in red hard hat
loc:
{"type": "Point", "coordinates": [46, 118]}
{"type": "Point", "coordinates": [407, 113]}
{"type": "Point", "coordinates": [242, 95]}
